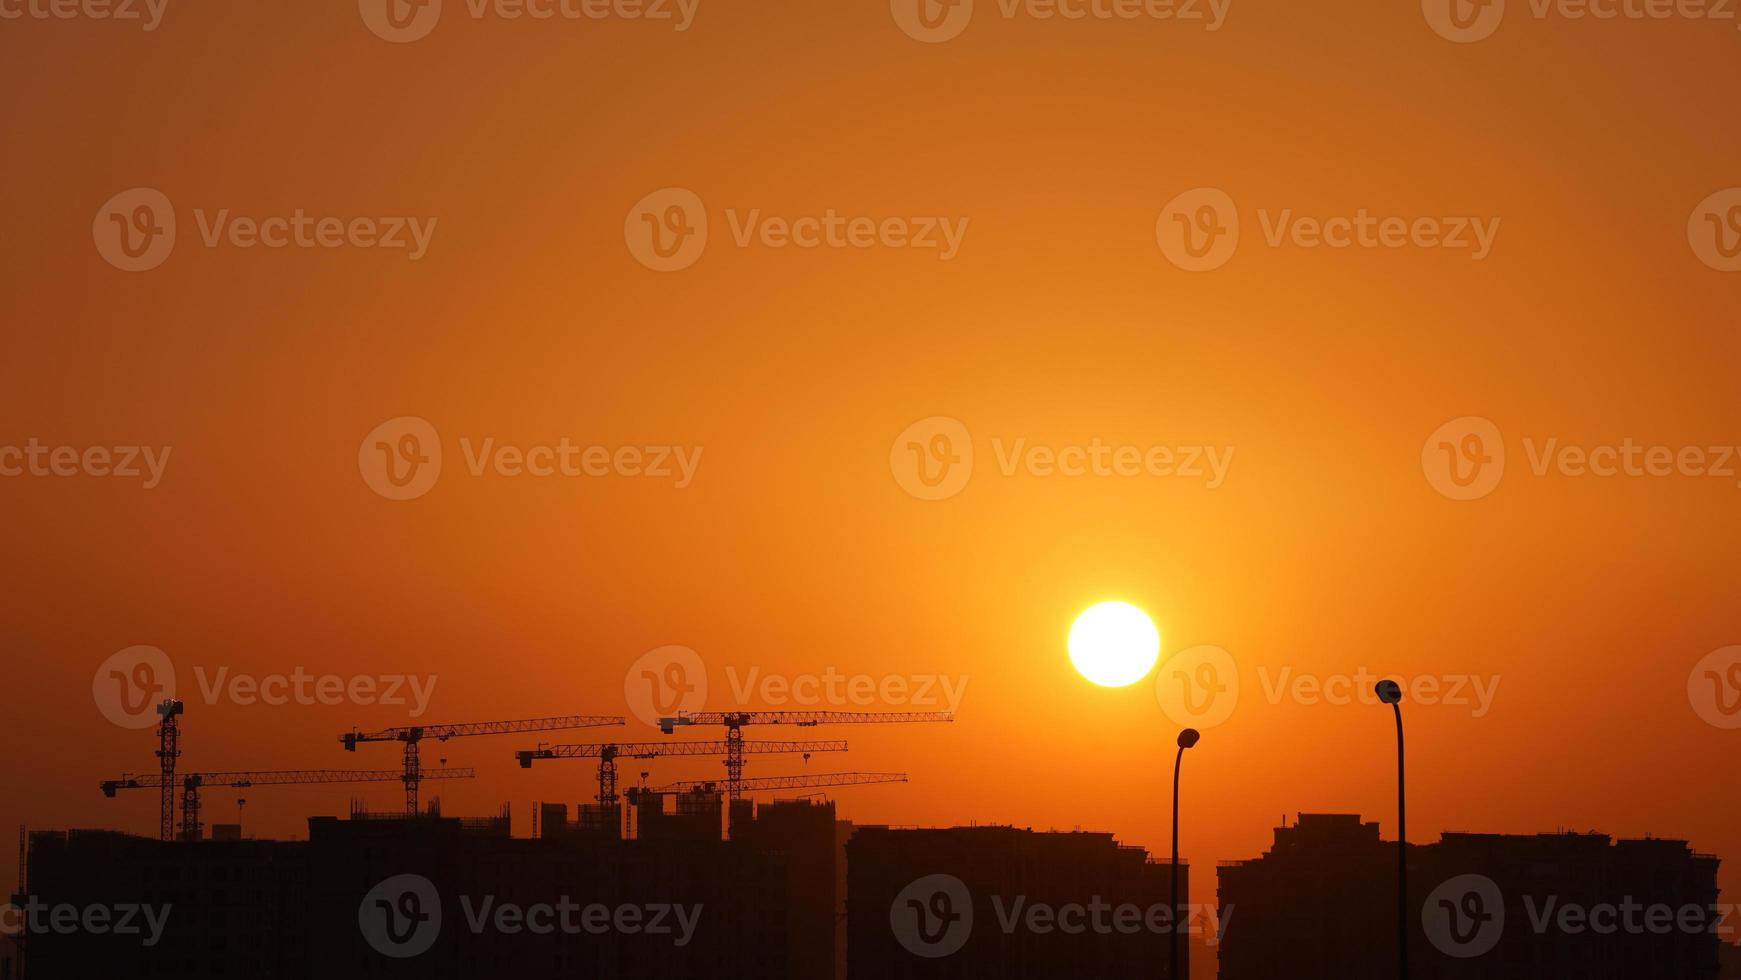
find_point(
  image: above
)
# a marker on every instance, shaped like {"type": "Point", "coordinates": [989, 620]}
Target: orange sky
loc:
{"type": "Point", "coordinates": [1060, 321]}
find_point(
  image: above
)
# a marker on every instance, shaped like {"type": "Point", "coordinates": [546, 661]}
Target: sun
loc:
{"type": "Point", "coordinates": [1114, 644]}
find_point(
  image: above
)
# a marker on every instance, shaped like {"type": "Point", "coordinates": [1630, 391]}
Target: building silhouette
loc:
{"type": "Point", "coordinates": [380, 896]}
{"type": "Point", "coordinates": [978, 902]}
{"type": "Point", "coordinates": [787, 890]}
{"type": "Point", "coordinates": [1321, 903]}
{"type": "Point", "coordinates": [1729, 961]}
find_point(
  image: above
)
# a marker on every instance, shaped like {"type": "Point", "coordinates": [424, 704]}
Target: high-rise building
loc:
{"type": "Point", "coordinates": [425, 897]}
{"type": "Point", "coordinates": [976, 902]}
{"type": "Point", "coordinates": [1321, 903]}
{"type": "Point", "coordinates": [802, 833]}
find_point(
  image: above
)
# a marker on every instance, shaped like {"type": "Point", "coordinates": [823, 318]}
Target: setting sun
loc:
{"type": "Point", "coordinates": [1114, 644]}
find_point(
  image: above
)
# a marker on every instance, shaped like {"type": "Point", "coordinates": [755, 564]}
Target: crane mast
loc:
{"type": "Point", "coordinates": [168, 750]}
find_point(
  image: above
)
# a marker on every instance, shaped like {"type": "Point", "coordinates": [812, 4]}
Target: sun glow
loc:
{"type": "Point", "coordinates": [1114, 644]}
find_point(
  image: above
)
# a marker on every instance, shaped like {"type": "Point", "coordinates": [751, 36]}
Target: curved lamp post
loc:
{"type": "Point", "coordinates": [1187, 738]}
{"type": "Point", "coordinates": [1390, 692]}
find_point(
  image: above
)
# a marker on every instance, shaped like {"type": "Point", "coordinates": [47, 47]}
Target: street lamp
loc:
{"type": "Point", "coordinates": [1187, 738]}
{"type": "Point", "coordinates": [1390, 692]}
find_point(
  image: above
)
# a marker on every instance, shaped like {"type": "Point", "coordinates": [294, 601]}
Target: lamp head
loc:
{"type": "Point", "coordinates": [1189, 737]}
{"type": "Point", "coordinates": [1390, 692]}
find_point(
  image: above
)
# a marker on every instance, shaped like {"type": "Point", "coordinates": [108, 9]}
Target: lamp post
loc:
{"type": "Point", "coordinates": [1187, 738]}
{"type": "Point", "coordinates": [1390, 692]}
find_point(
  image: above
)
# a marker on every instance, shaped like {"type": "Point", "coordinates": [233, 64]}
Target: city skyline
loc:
{"type": "Point", "coordinates": [402, 362]}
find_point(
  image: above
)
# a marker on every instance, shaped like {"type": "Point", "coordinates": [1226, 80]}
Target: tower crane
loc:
{"type": "Point", "coordinates": [412, 735]}
{"type": "Point", "coordinates": [193, 782]}
{"type": "Point", "coordinates": [607, 754]}
{"type": "Point", "coordinates": [807, 781]}
{"type": "Point", "coordinates": [734, 722]}
{"type": "Point", "coordinates": [168, 750]}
